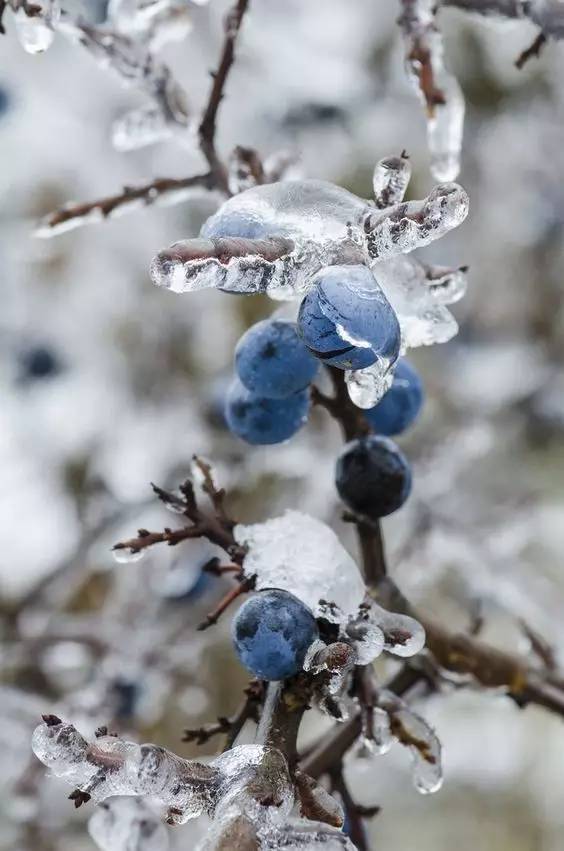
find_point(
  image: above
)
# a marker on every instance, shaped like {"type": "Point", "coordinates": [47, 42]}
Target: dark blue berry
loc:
{"type": "Point", "coordinates": [373, 477]}
{"type": "Point", "coordinates": [346, 320]}
{"type": "Point", "coordinates": [400, 406]}
{"type": "Point", "coordinates": [272, 361]}
{"type": "Point", "coordinates": [272, 632]}
{"type": "Point", "coordinates": [262, 421]}
{"type": "Point", "coordinates": [125, 693]}
{"type": "Point", "coordinates": [39, 362]}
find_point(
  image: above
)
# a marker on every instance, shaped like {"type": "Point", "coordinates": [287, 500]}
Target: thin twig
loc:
{"type": "Point", "coordinates": [158, 191]}
{"type": "Point", "coordinates": [534, 49]}
{"type": "Point", "coordinates": [248, 711]}
{"type": "Point", "coordinates": [207, 127]}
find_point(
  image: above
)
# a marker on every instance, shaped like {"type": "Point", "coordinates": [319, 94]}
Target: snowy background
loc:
{"type": "Point", "coordinates": [108, 383]}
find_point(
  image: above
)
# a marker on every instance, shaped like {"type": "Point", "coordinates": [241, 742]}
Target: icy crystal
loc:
{"type": "Point", "coordinates": [111, 766]}
{"type": "Point", "coordinates": [299, 554]}
{"type": "Point", "coordinates": [140, 127]}
{"type": "Point", "coordinates": [127, 824]}
{"type": "Point", "coordinates": [414, 732]}
{"type": "Point", "coordinates": [36, 32]}
{"type": "Point", "coordinates": [390, 180]}
{"type": "Point", "coordinates": [367, 386]}
{"type": "Point", "coordinates": [281, 234]}
{"type": "Point", "coordinates": [435, 86]}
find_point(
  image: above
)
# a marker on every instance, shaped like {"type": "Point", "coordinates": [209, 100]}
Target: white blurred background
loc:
{"type": "Point", "coordinates": [108, 384]}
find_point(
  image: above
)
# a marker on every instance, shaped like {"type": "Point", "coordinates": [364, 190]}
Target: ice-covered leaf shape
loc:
{"type": "Point", "coordinates": [424, 320]}
{"type": "Point", "coordinates": [283, 233]}
{"type": "Point", "coordinates": [302, 555]}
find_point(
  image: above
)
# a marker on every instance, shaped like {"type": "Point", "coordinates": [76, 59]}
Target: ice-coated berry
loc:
{"type": "Point", "coordinates": [38, 362]}
{"type": "Point", "coordinates": [263, 421]}
{"type": "Point", "coordinates": [272, 361]}
{"type": "Point", "coordinates": [272, 632]}
{"type": "Point", "coordinates": [373, 477]}
{"type": "Point", "coordinates": [346, 320]}
{"type": "Point", "coordinates": [399, 407]}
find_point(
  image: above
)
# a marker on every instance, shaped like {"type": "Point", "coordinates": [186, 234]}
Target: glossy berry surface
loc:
{"type": "Point", "coordinates": [373, 477]}
{"type": "Point", "coordinates": [400, 406]}
{"type": "Point", "coordinates": [346, 320]}
{"type": "Point", "coordinates": [272, 361]}
{"type": "Point", "coordinates": [272, 632]}
{"type": "Point", "coordinates": [263, 421]}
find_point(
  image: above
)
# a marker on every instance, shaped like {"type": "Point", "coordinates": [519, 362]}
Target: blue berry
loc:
{"type": "Point", "coordinates": [373, 477]}
{"type": "Point", "coordinates": [39, 362]}
{"type": "Point", "coordinates": [399, 407]}
{"type": "Point", "coordinates": [236, 223]}
{"type": "Point", "coordinates": [272, 361]}
{"type": "Point", "coordinates": [262, 421]}
{"type": "Point", "coordinates": [346, 320]}
{"type": "Point", "coordinates": [125, 693]}
{"type": "Point", "coordinates": [272, 632]}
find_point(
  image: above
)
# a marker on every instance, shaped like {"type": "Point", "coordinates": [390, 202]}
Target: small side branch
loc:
{"type": "Point", "coordinates": [230, 727]}
{"type": "Point", "coordinates": [534, 50]}
{"type": "Point", "coordinates": [163, 190]}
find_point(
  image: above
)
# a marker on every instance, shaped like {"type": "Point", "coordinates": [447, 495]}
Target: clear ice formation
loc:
{"type": "Point", "coordinates": [276, 237]}
{"type": "Point", "coordinates": [110, 766]}
{"type": "Point", "coordinates": [36, 32]}
{"type": "Point", "coordinates": [308, 224]}
{"type": "Point", "coordinates": [327, 578]}
{"type": "Point", "coordinates": [435, 86]}
{"type": "Point", "coordinates": [127, 824]}
{"type": "Point", "coordinates": [407, 727]}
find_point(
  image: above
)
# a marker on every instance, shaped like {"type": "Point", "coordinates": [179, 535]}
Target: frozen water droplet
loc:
{"type": "Point", "coordinates": [35, 32]}
{"type": "Point", "coordinates": [299, 554]}
{"type": "Point", "coordinates": [126, 555]}
{"type": "Point", "coordinates": [390, 180]}
{"type": "Point", "coordinates": [367, 386]}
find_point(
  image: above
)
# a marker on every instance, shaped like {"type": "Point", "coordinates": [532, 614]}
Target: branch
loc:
{"type": "Point", "coordinates": [207, 128]}
{"type": "Point", "coordinates": [534, 49]}
{"type": "Point", "coordinates": [163, 190]}
{"type": "Point", "coordinates": [248, 711]}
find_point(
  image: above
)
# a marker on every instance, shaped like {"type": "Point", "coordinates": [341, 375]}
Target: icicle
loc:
{"type": "Point", "coordinates": [390, 180]}
{"type": "Point", "coordinates": [36, 32]}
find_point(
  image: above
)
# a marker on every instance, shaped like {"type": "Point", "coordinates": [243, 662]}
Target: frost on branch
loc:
{"type": "Point", "coordinates": [438, 89]}
{"type": "Point", "coordinates": [327, 573]}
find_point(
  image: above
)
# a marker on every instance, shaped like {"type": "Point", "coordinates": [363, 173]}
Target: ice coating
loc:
{"type": "Point", "coordinates": [36, 32]}
{"type": "Point", "coordinates": [447, 285]}
{"type": "Point", "coordinates": [154, 21]}
{"type": "Point", "coordinates": [402, 634]}
{"type": "Point", "coordinates": [333, 665]}
{"type": "Point", "coordinates": [111, 766]}
{"type": "Point", "coordinates": [302, 555]}
{"type": "Point", "coordinates": [390, 180]}
{"type": "Point", "coordinates": [307, 835]}
{"type": "Point", "coordinates": [367, 386]}
{"type": "Point", "coordinates": [127, 824]}
{"type": "Point", "coordinates": [419, 304]}
{"type": "Point", "coordinates": [435, 86]}
{"type": "Point", "coordinates": [415, 733]}
{"type": "Point", "coordinates": [308, 224]}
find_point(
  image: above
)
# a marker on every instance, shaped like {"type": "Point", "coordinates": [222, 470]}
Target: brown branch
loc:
{"type": "Point", "coordinates": [160, 189]}
{"type": "Point", "coordinates": [534, 49]}
{"type": "Point", "coordinates": [241, 588]}
{"type": "Point", "coordinates": [207, 127]}
{"type": "Point", "coordinates": [418, 54]}
{"type": "Point", "coordinates": [355, 814]}
{"type": "Point", "coordinates": [248, 711]}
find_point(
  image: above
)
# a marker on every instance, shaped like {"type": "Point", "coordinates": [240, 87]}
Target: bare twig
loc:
{"type": "Point", "coordinates": [208, 123]}
{"type": "Point", "coordinates": [248, 711]}
{"type": "Point", "coordinates": [160, 191]}
{"type": "Point", "coordinates": [534, 49]}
